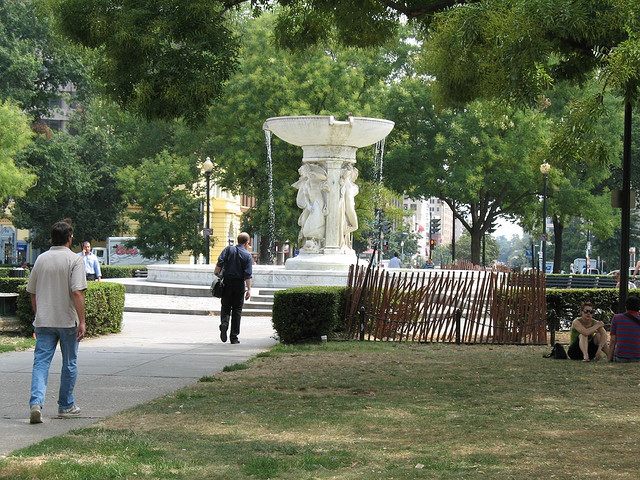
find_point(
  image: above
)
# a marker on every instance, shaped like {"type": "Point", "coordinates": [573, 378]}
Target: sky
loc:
{"type": "Point", "coordinates": [507, 229]}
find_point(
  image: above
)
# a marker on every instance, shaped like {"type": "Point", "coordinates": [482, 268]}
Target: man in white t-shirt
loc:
{"type": "Point", "coordinates": [395, 261]}
{"type": "Point", "coordinates": [57, 283]}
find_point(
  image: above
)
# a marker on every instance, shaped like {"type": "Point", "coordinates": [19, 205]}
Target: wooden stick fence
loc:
{"type": "Point", "coordinates": [432, 306]}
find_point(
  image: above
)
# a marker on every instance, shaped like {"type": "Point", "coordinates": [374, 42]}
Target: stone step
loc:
{"type": "Point", "coordinates": [246, 312]}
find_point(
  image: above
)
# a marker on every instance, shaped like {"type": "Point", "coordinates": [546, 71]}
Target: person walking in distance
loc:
{"type": "Point", "coordinates": [237, 264]}
{"type": "Point", "coordinates": [57, 284]}
{"type": "Point", "coordinates": [91, 263]}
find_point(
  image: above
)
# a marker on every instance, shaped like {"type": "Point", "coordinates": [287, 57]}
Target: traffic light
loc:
{"type": "Point", "coordinates": [385, 226]}
{"type": "Point", "coordinates": [385, 245]}
{"type": "Point", "coordinates": [432, 242]}
{"type": "Point", "coordinates": [435, 225]}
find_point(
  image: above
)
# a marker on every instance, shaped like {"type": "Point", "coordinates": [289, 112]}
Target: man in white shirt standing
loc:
{"type": "Point", "coordinates": [57, 284]}
{"type": "Point", "coordinates": [395, 262]}
{"type": "Point", "coordinates": [91, 263]}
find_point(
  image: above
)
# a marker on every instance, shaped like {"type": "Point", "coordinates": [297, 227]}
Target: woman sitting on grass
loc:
{"type": "Point", "coordinates": [588, 337]}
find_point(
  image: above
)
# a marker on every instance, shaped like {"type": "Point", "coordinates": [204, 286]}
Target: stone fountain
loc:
{"type": "Point", "coordinates": [326, 192]}
{"type": "Point", "coordinates": [327, 187]}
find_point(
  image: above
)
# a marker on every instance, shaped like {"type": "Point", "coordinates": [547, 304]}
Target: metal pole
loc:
{"type": "Point", "coordinates": [453, 241]}
{"type": "Point", "coordinates": [430, 229]}
{"type": "Point", "coordinates": [626, 206]}
{"type": "Point", "coordinates": [458, 317]}
{"type": "Point", "coordinates": [544, 224]}
{"type": "Point", "coordinates": [206, 237]}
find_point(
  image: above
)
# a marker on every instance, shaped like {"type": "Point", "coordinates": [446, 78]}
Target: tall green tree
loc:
{"type": "Point", "coordinates": [515, 50]}
{"type": "Point", "coordinates": [483, 161]}
{"type": "Point", "coordinates": [15, 136]}
{"type": "Point", "coordinates": [271, 82]}
{"type": "Point", "coordinates": [76, 180]}
{"type": "Point", "coordinates": [169, 217]}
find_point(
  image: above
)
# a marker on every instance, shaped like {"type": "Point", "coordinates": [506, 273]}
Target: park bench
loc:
{"type": "Point", "coordinates": [580, 281]}
{"type": "Point", "coordinates": [583, 281]}
{"type": "Point", "coordinates": [558, 281]}
{"type": "Point", "coordinates": [605, 281]}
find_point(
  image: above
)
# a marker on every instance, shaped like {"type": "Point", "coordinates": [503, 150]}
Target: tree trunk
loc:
{"type": "Point", "coordinates": [476, 242]}
{"type": "Point", "coordinates": [558, 227]}
{"type": "Point", "coordinates": [264, 250]}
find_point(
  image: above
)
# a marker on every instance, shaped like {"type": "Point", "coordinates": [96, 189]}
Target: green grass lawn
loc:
{"type": "Point", "coordinates": [10, 342]}
{"type": "Point", "coordinates": [368, 411]}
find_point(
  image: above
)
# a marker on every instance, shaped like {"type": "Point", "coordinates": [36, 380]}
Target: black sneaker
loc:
{"type": "Point", "coordinates": [234, 341]}
{"type": "Point", "coordinates": [223, 334]}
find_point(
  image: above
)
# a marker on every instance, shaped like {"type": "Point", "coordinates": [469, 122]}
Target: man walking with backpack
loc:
{"type": "Point", "coordinates": [236, 265]}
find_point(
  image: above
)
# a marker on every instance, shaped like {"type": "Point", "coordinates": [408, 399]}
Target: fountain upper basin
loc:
{"type": "Point", "coordinates": [326, 130]}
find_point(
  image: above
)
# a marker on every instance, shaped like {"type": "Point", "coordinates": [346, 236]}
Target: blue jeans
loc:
{"type": "Point", "coordinates": [46, 341]}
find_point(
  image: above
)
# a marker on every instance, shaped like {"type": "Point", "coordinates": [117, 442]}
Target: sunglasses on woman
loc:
{"type": "Point", "coordinates": [588, 311]}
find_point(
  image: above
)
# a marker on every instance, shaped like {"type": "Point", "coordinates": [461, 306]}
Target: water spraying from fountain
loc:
{"type": "Point", "coordinates": [272, 209]}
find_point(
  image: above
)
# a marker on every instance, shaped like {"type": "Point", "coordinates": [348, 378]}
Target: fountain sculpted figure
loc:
{"type": "Point", "coordinates": [347, 214]}
{"type": "Point", "coordinates": [327, 185]}
{"type": "Point", "coordinates": [312, 198]}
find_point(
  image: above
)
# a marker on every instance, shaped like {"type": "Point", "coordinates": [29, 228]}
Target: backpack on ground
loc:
{"type": "Point", "coordinates": [557, 352]}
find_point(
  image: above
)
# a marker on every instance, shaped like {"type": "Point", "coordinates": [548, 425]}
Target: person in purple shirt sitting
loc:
{"type": "Point", "coordinates": [624, 335]}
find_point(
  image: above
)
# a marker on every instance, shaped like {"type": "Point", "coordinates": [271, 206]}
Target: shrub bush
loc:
{"type": "Point", "coordinates": [305, 313]}
{"type": "Point", "coordinates": [120, 271]}
{"type": "Point", "coordinates": [563, 305]}
{"type": "Point", "coordinates": [11, 285]}
{"type": "Point", "coordinates": [4, 271]}
{"type": "Point", "coordinates": [104, 307]}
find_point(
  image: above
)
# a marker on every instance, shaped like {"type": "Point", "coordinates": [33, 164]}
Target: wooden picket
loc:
{"type": "Point", "coordinates": [422, 306]}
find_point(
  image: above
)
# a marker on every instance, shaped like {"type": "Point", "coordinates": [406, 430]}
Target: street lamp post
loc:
{"type": "Point", "coordinates": [545, 168]}
{"type": "Point", "coordinates": [207, 167]}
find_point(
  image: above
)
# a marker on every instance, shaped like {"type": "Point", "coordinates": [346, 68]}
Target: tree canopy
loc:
{"type": "Point", "coordinates": [171, 58]}
{"type": "Point", "coordinates": [34, 61]}
{"type": "Point", "coordinates": [15, 136]}
{"type": "Point", "coordinates": [483, 161]}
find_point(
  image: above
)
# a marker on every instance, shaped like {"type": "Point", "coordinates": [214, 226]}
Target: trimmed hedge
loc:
{"type": "Point", "coordinates": [120, 271]}
{"type": "Point", "coordinates": [305, 313]}
{"type": "Point", "coordinates": [11, 285]}
{"type": "Point", "coordinates": [4, 271]}
{"type": "Point", "coordinates": [563, 305]}
{"type": "Point", "coordinates": [104, 307]}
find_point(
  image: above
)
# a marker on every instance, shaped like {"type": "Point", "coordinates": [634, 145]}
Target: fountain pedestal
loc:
{"type": "Point", "coordinates": [327, 188]}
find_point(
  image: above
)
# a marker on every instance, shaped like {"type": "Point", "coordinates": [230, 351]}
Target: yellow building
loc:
{"type": "Point", "coordinates": [226, 211]}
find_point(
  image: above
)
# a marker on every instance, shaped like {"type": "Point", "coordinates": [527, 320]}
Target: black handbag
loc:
{"type": "Point", "coordinates": [217, 286]}
{"type": "Point", "coordinates": [557, 352]}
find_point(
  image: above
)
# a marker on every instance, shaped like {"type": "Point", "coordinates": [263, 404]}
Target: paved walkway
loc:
{"type": "Point", "coordinates": [154, 355]}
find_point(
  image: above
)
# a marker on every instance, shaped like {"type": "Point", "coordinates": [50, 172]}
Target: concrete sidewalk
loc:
{"type": "Point", "coordinates": [155, 354]}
